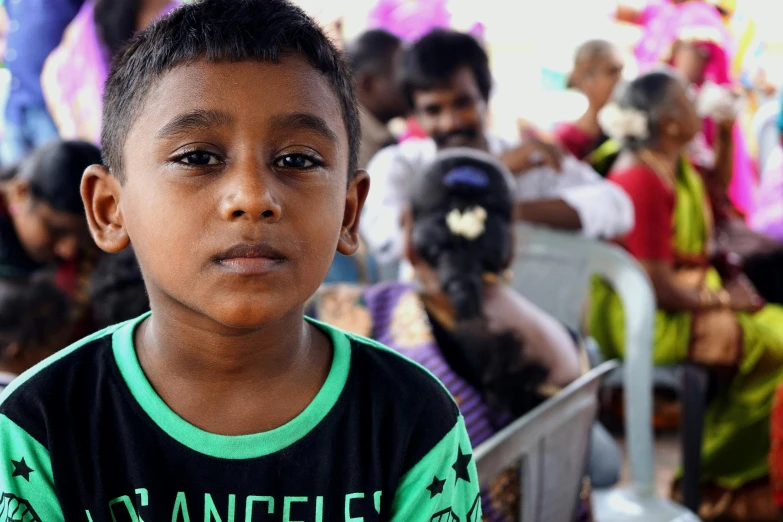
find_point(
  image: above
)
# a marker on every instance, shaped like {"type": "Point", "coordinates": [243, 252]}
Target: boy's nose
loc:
{"type": "Point", "coordinates": [250, 197]}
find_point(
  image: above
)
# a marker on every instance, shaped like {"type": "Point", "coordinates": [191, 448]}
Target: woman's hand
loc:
{"type": "Point", "coordinates": [743, 296]}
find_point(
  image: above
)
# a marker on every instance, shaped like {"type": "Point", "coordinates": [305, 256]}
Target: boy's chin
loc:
{"type": "Point", "coordinates": [252, 315]}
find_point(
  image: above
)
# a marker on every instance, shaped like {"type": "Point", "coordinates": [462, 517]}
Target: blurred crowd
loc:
{"type": "Point", "coordinates": [681, 165]}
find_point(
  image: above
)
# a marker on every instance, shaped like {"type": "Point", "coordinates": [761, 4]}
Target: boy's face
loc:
{"type": "Point", "coordinates": [235, 190]}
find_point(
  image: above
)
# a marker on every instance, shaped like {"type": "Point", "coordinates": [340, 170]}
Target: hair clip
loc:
{"type": "Point", "coordinates": [466, 176]}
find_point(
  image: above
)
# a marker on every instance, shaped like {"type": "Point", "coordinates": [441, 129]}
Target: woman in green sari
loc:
{"type": "Point", "coordinates": [722, 325]}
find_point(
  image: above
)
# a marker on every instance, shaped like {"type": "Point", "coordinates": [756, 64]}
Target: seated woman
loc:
{"type": "Point", "coordinates": [722, 325]}
{"type": "Point", "coordinates": [497, 353]}
{"type": "Point", "coordinates": [42, 225]}
{"type": "Point", "coordinates": [598, 67]}
{"type": "Point", "coordinates": [42, 221]}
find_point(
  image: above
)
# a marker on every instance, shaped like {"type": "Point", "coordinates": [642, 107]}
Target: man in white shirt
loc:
{"type": "Point", "coordinates": [447, 82]}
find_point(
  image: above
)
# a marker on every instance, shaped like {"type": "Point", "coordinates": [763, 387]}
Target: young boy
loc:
{"type": "Point", "coordinates": [230, 141]}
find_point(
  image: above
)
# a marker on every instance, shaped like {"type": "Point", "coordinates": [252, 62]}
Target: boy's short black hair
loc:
{"type": "Point", "coordinates": [432, 61]}
{"type": "Point", "coordinates": [216, 31]}
{"type": "Point", "coordinates": [54, 173]}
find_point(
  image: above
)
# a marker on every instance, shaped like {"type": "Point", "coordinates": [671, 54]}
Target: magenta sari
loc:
{"type": "Point", "coordinates": [412, 19]}
{"type": "Point", "coordinates": [74, 77]}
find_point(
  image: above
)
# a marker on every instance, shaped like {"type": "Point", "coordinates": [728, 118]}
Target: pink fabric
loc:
{"type": "Point", "coordinates": [663, 23]}
{"type": "Point", "coordinates": [80, 69]}
{"type": "Point", "coordinates": [767, 217]}
{"type": "Point", "coordinates": [412, 19]}
{"type": "Point", "coordinates": [743, 187]}
{"type": "Point", "coordinates": [413, 131]}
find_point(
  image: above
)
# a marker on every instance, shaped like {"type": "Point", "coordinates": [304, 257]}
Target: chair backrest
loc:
{"type": "Point", "coordinates": [553, 270]}
{"type": "Point", "coordinates": [550, 444]}
{"type": "Point", "coordinates": [556, 283]}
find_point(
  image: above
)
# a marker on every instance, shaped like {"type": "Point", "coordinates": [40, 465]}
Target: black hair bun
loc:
{"type": "Point", "coordinates": [473, 189]}
{"type": "Point", "coordinates": [463, 178]}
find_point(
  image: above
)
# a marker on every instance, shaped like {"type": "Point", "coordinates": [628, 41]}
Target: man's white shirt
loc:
{"type": "Point", "coordinates": [604, 210]}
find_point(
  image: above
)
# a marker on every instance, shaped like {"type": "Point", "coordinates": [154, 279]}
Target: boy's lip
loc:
{"type": "Point", "coordinates": [250, 258]}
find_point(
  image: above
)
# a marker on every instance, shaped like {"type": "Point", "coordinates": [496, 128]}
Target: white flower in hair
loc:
{"type": "Point", "coordinates": [468, 224]}
{"type": "Point", "coordinates": [621, 123]}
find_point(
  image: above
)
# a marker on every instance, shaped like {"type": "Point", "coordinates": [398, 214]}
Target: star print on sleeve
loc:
{"type": "Point", "coordinates": [21, 469]}
{"type": "Point", "coordinates": [429, 491]}
{"type": "Point", "coordinates": [436, 488]}
{"type": "Point", "coordinates": [461, 466]}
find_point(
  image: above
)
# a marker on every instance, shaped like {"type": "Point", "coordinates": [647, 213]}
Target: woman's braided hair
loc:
{"type": "Point", "coordinates": [468, 185]}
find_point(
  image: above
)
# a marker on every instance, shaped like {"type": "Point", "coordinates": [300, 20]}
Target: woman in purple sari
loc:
{"type": "Point", "coordinates": [75, 73]}
{"type": "Point", "coordinates": [497, 353]}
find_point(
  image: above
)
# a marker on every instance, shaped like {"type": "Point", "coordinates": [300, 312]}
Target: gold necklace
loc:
{"type": "Point", "coordinates": [659, 166]}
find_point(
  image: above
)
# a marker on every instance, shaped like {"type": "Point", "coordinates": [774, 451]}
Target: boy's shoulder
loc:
{"type": "Point", "coordinates": [396, 378]}
{"type": "Point", "coordinates": [52, 386]}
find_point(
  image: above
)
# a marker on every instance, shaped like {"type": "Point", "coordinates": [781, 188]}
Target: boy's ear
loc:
{"type": "Point", "coordinates": [101, 196]}
{"type": "Point", "coordinates": [354, 203]}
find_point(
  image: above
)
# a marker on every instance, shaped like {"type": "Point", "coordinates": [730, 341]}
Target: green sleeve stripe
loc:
{"type": "Point", "coordinates": [26, 479]}
{"type": "Point", "coordinates": [443, 485]}
{"type": "Point", "coordinates": [26, 376]}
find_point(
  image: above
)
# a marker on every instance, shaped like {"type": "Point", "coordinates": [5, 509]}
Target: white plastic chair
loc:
{"type": "Point", "coordinates": [553, 270]}
{"type": "Point", "coordinates": [550, 443]}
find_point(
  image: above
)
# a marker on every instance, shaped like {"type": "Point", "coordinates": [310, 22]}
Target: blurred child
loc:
{"type": "Point", "coordinates": [41, 212]}
{"type": "Point", "coordinates": [35, 321]}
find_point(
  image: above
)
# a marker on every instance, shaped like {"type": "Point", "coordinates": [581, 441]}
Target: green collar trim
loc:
{"type": "Point", "coordinates": [233, 447]}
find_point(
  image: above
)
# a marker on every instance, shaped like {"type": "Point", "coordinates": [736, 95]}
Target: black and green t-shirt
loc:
{"type": "Point", "coordinates": [85, 438]}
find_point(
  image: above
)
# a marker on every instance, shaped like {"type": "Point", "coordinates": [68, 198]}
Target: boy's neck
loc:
{"type": "Point", "coordinates": [200, 346]}
{"type": "Point", "coordinates": [233, 382]}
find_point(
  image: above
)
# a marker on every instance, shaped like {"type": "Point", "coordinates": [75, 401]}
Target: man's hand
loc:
{"type": "Point", "coordinates": [531, 154]}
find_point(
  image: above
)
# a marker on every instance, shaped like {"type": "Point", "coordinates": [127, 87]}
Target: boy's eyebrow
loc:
{"type": "Point", "coordinates": [193, 120]}
{"type": "Point", "coordinates": [304, 121]}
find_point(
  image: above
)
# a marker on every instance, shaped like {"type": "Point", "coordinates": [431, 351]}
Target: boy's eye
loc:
{"type": "Point", "coordinates": [295, 161]}
{"type": "Point", "coordinates": [199, 158]}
